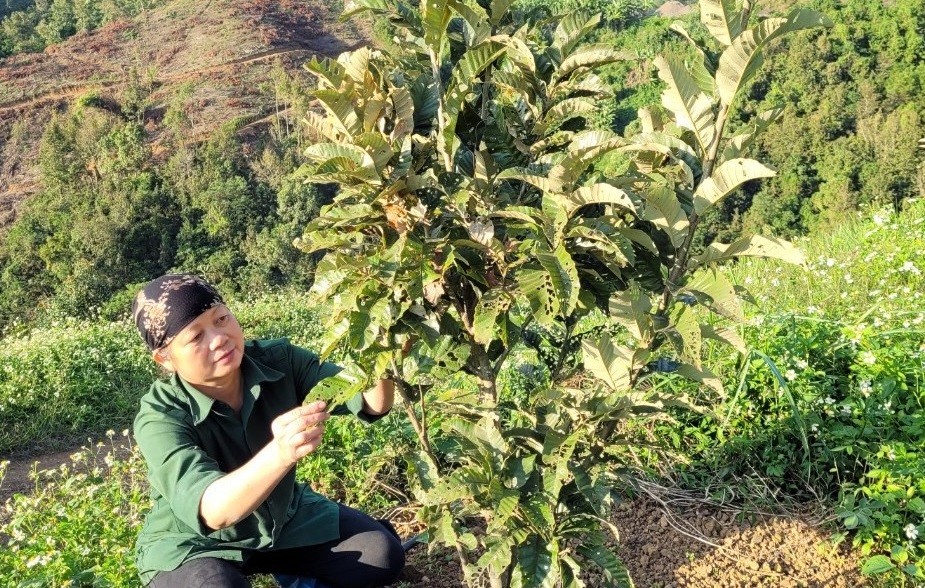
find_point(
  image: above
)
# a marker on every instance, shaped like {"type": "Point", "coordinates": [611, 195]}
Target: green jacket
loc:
{"type": "Point", "coordinates": [189, 440]}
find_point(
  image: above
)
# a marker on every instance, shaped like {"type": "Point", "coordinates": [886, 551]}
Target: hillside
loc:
{"type": "Point", "coordinates": [219, 52]}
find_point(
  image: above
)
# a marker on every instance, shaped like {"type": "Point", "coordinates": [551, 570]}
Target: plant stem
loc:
{"type": "Point", "coordinates": [683, 253]}
{"type": "Point", "coordinates": [419, 426]}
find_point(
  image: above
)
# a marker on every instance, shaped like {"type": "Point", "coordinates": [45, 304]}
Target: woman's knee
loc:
{"type": "Point", "coordinates": [379, 554]}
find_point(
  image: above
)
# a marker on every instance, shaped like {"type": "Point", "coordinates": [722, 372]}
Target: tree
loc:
{"type": "Point", "coordinates": [470, 210]}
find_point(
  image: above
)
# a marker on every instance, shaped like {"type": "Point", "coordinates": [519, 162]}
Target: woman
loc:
{"type": "Point", "coordinates": [221, 438]}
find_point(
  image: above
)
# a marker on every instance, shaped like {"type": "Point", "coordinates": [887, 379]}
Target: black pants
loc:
{"type": "Point", "coordinates": [368, 554]}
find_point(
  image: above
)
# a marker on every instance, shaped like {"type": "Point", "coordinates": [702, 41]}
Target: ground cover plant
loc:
{"type": "Point", "coordinates": [787, 298]}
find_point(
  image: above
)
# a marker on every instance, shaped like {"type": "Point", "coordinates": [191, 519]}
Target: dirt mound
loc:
{"type": "Point", "coordinates": [220, 52]}
{"type": "Point", "coordinates": [711, 548]}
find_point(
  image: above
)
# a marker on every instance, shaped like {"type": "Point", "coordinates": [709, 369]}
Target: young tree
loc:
{"type": "Point", "coordinates": [470, 210]}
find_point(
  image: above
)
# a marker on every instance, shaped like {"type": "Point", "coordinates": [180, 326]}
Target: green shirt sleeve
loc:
{"type": "Point", "coordinates": [177, 468]}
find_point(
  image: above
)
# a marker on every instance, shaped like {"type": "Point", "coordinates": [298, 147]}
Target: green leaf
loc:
{"type": "Point", "coordinates": [877, 564]}
{"type": "Point", "coordinates": [564, 276]}
{"type": "Point", "coordinates": [489, 307]}
{"type": "Point", "coordinates": [497, 556]}
{"type": "Point", "coordinates": [601, 193]}
{"type": "Point", "coordinates": [715, 291]}
{"type": "Point", "coordinates": [703, 376]}
{"type": "Point", "coordinates": [663, 208]}
{"type": "Point", "coordinates": [702, 69]}
{"type": "Point", "coordinates": [687, 327]}
{"type": "Point", "coordinates": [340, 107]}
{"type": "Point", "coordinates": [329, 71]}
{"type": "Point", "coordinates": [435, 16]}
{"type": "Point", "coordinates": [465, 75]}
{"type": "Point", "coordinates": [725, 334]}
{"type": "Point", "coordinates": [338, 389]}
{"type": "Point", "coordinates": [740, 60]}
{"type": "Point", "coordinates": [753, 246]}
{"type": "Point", "coordinates": [542, 183]}
{"type": "Point", "coordinates": [537, 287]}
{"type": "Point", "coordinates": [682, 96]}
{"type": "Point", "coordinates": [721, 19]}
{"type": "Point", "coordinates": [348, 159]}
{"type": "Point", "coordinates": [535, 565]}
{"type": "Point", "coordinates": [474, 15]}
{"type": "Point", "coordinates": [589, 56]}
{"type": "Point", "coordinates": [498, 10]}
{"type": "Point", "coordinates": [741, 141]}
{"type": "Point", "coordinates": [563, 112]}
{"type": "Point", "coordinates": [632, 308]}
{"type": "Point", "coordinates": [572, 29]}
{"type": "Point", "coordinates": [608, 362]}
{"type": "Point", "coordinates": [614, 571]}
{"type": "Point", "coordinates": [725, 179]}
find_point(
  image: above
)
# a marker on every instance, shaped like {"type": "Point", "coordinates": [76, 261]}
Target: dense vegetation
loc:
{"type": "Point", "coordinates": [488, 213]}
{"type": "Point", "coordinates": [111, 215]}
{"type": "Point", "coordinates": [846, 139]}
{"type": "Point", "coordinates": [753, 444]}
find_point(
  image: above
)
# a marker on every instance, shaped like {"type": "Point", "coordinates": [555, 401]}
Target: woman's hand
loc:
{"type": "Point", "coordinates": [298, 432]}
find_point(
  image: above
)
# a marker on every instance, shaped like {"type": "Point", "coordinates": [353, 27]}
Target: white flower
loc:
{"type": "Point", "coordinates": [829, 400]}
{"type": "Point", "coordinates": [866, 387]}
{"type": "Point", "coordinates": [790, 375]}
{"type": "Point", "coordinates": [801, 364]}
{"type": "Point", "coordinates": [38, 560]}
{"type": "Point", "coordinates": [814, 428]}
{"type": "Point", "coordinates": [912, 532]}
{"type": "Point", "coordinates": [910, 267]}
{"type": "Point", "coordinates": [846, 409]}
{"type": "Point", "coordinates": [879, 220]}
{"type": "Point", "coordinates": [849, 279]}
{"type": "Point", "coordinates": [869, 358]}
{"type": "Point", "coordinates": [829, 262]}
{"type": "Point", "coordinates": [891, 455]}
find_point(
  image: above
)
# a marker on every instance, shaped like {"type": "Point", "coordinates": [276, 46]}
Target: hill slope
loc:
{"type": "Point", "coordinates": [219, 52]}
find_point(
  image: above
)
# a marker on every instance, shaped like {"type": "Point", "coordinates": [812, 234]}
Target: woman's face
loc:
{"type": "Point", "coordinates": [208, 351]}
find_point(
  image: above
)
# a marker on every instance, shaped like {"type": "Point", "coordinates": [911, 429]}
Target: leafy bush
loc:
{"type": "Point", "coordinates": [78, 527]}
{"type": "Point", "coordinates": [70, 381]}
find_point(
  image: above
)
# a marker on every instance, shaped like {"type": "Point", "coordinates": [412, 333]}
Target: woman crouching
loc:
{"type": "Point", "coordinates": [221, 438]}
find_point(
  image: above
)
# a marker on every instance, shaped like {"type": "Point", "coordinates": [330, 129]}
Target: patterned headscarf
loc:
{"type": "Point", "coordinates": [169, 303]}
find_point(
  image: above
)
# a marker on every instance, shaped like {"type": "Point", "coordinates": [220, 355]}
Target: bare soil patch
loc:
{"type": "Point", "coordinates": [221, 52]}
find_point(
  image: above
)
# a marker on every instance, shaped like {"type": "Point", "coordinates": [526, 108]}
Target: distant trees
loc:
{"type": "Point", "coordinates": [848, 134]}
{"type": "Point", "coordinates": [33, 26]}
{"type": "Point", "coordinates": [853, 100]}
{"type": "Point", "coordinates": [109, 215]}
